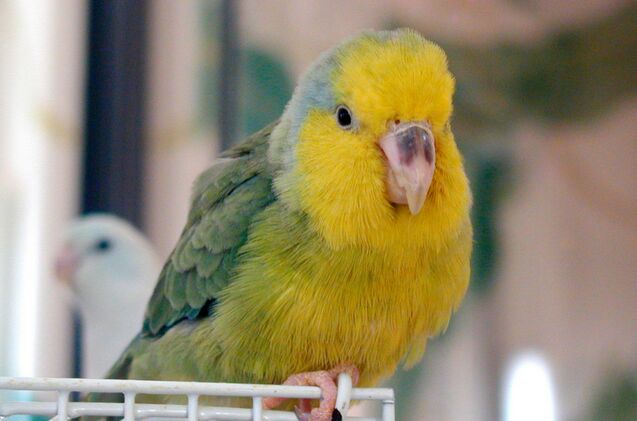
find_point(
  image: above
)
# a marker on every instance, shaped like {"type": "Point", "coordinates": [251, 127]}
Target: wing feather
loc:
{"type": "Point", "coordinates": [226, 198]}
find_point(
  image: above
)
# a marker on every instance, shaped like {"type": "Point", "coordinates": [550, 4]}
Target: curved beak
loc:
{"type": "Point", "coordinates": [66, 264]}
{"type": "Point", "coordinates": [411, 158]}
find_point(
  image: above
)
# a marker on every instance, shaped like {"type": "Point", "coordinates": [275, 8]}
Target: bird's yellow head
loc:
{"type": "Point", "coordinates": [365, 147]}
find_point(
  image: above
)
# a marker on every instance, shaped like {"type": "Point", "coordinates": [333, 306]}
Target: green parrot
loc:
{"type": "Point", "coordinates": [336, 239]}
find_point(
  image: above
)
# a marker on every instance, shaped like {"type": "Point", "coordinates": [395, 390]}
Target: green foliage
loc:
{"type": "Point", "coordinates": [490, 180]}
{"type": "Point", "coordinates": [208, 72]}
{"type": "Point", "coordinates": [266, 87]}
{"type": "Point", "coordinates": [580, 73]}
{"type": "Point", "coordinates": [570, 75]}
{"type": "Point", "coordinates": [616, 400]}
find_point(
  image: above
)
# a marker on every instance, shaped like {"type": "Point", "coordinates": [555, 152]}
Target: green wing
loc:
{"type": "Point", "coordinates": [226, 197]}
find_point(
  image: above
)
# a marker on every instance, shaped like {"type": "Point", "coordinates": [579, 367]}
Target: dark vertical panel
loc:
{"type": "Point", "coordinates": [114, 108]}
{"type": "Point", "coordinates": [229, 74]}
{"type": "Point", "coordinates": [114, 116]}
{"type": "Point", "coordinates": [76, 363]}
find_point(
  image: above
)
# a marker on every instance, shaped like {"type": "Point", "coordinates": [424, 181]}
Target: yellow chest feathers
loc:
{"type": "Point", "coordinates": [309, 307]}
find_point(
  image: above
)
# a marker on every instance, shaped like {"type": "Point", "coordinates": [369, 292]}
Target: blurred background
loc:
{"type": "Point", "coordinates": [117, 105]}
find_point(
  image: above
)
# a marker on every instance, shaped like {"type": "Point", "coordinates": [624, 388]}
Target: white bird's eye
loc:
{"type": "Point", "coordinates": [344, 117]}
{"type": "Point", "coordinates": [103, 245]}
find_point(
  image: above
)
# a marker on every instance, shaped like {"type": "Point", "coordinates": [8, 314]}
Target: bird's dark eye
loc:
{"type": "Point", "coordinates": [344, 117]}
{"type": "Point", "coordinates": [103, 245]}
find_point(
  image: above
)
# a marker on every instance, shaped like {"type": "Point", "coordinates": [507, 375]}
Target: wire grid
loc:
{"type": "Point", "coordinates": [63, 409]}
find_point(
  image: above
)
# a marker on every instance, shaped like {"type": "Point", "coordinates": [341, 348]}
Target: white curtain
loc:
{"type": "Point", "coordinates": [41, 80]}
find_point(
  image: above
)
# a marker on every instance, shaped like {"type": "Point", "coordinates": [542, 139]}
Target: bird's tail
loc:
{"type": "Point", "coordinates": [120, 370]}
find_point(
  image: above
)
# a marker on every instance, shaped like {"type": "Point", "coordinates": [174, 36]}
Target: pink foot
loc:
{"type": "Point", "coordinates": [326, 380]}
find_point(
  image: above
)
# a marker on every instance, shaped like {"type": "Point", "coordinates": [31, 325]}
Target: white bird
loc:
{"type": "Point", "coordinates": [111, 269]}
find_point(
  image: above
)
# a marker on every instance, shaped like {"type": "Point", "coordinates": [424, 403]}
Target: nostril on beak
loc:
{"type": "Point", "coordinates": [429, 151]}
{"type": "Point", "coordinates": [411, 141]}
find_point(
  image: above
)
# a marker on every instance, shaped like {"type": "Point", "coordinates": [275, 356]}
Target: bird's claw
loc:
{"type": "Point", "coordinates": [326, 381]}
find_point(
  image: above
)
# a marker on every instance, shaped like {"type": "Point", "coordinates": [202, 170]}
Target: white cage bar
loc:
{"type": "Point", "coordinates": [63, 409]}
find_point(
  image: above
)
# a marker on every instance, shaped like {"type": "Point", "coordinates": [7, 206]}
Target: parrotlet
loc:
{"type": "Point", "coordinates": [111, 270]}
{"type": "Point", "coordinates": [336, 239]}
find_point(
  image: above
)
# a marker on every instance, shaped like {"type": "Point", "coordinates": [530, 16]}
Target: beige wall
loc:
{"type": "Point", "coordinates": [179, 148]}
{"type": "Point", "coordinates": [569, 282]}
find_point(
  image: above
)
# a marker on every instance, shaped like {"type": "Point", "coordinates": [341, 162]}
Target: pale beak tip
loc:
{"type": "Point", "coordinates": [414, 208]}
{"type": "Point", "coordinates": [415, 201]}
